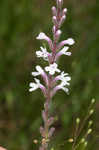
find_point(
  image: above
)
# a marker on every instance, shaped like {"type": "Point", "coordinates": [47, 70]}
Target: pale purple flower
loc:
{"type": "Point", "coordinates": [63, 52]}
{"type": "Point", "coordinates": [51, 131]}
{"type": "Point", "coordinates": [43, 36]}
{"type": "Point", "coordinates": [52, 68]}
{"type": "Point", "coordinates": [61, 86]}
{"type": "Point", "coordinates": [69, 41]}
{"type": "Point", "coordinates": [64, 77]}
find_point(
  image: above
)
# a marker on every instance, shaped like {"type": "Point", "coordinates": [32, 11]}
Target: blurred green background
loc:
{"type": "Point", "coordinates": [20, 111]}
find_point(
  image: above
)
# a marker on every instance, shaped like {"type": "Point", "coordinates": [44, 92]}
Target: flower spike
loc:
{"type": "Point", "coordinates": [54, 79]}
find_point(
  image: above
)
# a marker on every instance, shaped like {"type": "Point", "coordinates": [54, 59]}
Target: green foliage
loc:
{"type": "Point", "coordinates": [20, 111]}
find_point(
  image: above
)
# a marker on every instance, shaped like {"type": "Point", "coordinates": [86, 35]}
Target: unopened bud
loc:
{"type": "Point", "coordinates": [58, 32]}
{"type": "Point", "coordinates": [51, 131]}
{"type": "Point", "coordinates": [43, 141]}
{"type": "Point", "coordinates": [54, 19]}
{"type": "Point", "coordinates": [78, 120]}
{"type": "Point", "coordinates": [91, 111]}
{"type": "Point", "coordinates": [70, 140]}
{"type": "Point", "coordinates": [54, 29]}
{"type": "Point", "coordinates": [93, 101]}
{"type": "Point", "coordinates": [50, 121]}
{"type": "Point", "coordinates": [46, 105]}
{"type": "Point", "coordinates": [85, 144]}
{"type": "Point", "coordinates": [54, 11]}
{"type": "Point", "coordinates": [59, 3]}
{"type": "Point", "coordinates": [44, 116]}
{"type": "Point", "coordinates": [82, 140]}
{"type": "Point", "coordinates": [62, 20]}
{"type": "Point", "coordinates": [89, 131]}
{"type": "Point", "coordinates": [57, 35]}
{"type": "Point", "coordinates": [52, 148]}
{"type": "Point", "coordinates": [42, 131]}
{"type": "Point", "coordinates": [90, 122]}
{"type": "Point", "coordinates": [64, 11]}
{"type": "Point", "coordinates": [35, 141]}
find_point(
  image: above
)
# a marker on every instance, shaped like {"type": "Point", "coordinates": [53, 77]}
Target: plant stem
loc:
{"type": "Point", "coordinates": [46, 139]}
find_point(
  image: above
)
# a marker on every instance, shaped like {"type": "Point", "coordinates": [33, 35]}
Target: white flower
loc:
{"type": "Point", "coordinates": [64, 78]}
{"type": "Point", "coordinates": [64, 81]}
{"type": "Point", "coordinates": [64, 51]}
{"type": "Point", "coordinates": [41, 36]}
{"type": "Point", "coordinates": [43, 53]}
{"type": "Point", "coordinates": [63, 87]}
{"type": "Point", "coordinates": [34, 86]}
{"type": "Point", "coordinates": [64, 10]}
{"type": "Point", "coordinates": [70, 41]}
{"type": "Point", "coordinates": [52, 69]}
{"type": "Point", "coordinates": [40, 71]}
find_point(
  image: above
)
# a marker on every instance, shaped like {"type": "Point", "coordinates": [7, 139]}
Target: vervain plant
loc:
{"type": "Point", "coordinates": [54, 79]}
